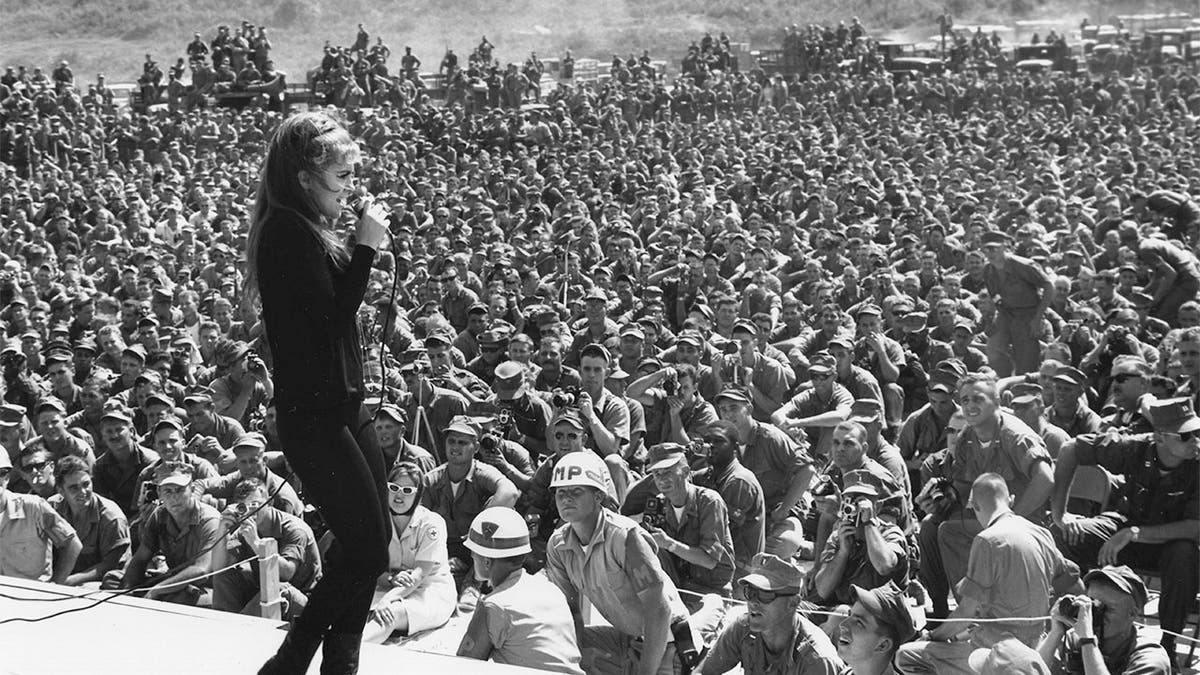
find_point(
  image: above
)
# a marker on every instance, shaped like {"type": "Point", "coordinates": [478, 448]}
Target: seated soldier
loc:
{"type": "Point", "coordinates": [992, 441]}
{"type": "Point", "coordinates": [1157, 516]}
{"type": "Point", "coordinates": [116, 472]}
{"type": "Point", "coordinates": [391, 426]}
{"type": "Point", "coordinates": [250, 452]}
{"type": "Point", "coordinates": [566, 435]}
{"type": "Point", "coordinates": [877, 622]}
{"type": "Point", "coordinates": [35, 469]}
{"type": "Point", "coordinates": [99, 523]}
{"type": "Point", "coordinates": [869, 550]}
{"type": "Point", "coordinates": [524, 621]}
{"type": "Point", "coordinates": [689, 523]}
{"type": "Point", "coordinates": [849, 455]}
{"type": "Point", "coordinates": [773, 626]}
{"type": "Point", "coordinates": [1119, 646]}
{"type": "Point", "coordinates": [462, 487]}
{"type": "Point", "coordinates": [247, 519]}
{"type": "Point", "coordinates": [167, 437]}
{"type": "Point", "coordinates": [36, 542]}
{"type": "Point", "coordinates": [182, 529]}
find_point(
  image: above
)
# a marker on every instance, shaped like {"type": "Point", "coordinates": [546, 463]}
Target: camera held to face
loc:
{"type": "Point", "coordinates": [567, 397]}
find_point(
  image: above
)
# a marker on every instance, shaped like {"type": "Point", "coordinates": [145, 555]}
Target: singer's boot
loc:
{"type": "Point", "coordinates": [294, 655]}
{"type": "Point", "coordinates": [339, 655]}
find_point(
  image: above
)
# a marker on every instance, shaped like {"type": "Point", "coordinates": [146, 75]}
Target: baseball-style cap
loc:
{"type": "Point", "coordinates": [733, 394]}
{"type": "Point", "coordinates": [596, 293]}
{"type": "Point", "coordinates": [866, 411]}
{"type": "Point", "coordinates": [633, 330]}
{"type": "Point", "coordinates": [49, 404]}
{"type": "Point", "coordinates": [886, 603]}
{"type": "Point", "coordinates": [198, 394]}
{"type": "Point", "coordinates": [1123, 578]}
{"type": "Point", "coordinates": [169, 422]}
{"type": "Point", "coordinates": [437, 338]}
{"type": "Point", "coordinates": [393, 413]}
{"type": "Point", "coordinates": [843, 341]}
{"type": "Point", "coordinates": [461, 424]}
{"type": "Point", "coordinates": [1174, 416]}
{"type": "Point", "coordinates": [822, 363]}
{"type": "Point", "coordinates": [994, 237]}
{"type": "Point", "coordinates": [868, 309]}
{"type": "Point", "coordinates": [158, 398]}
{"type": "Point", "coordinates": [690, 337]}
{"type": "Point", "coordinates": [771, 573]}
{"type": "Point", "coordinates": [11, 415]}
{"type": "Point", "coordinates": [569, 417]}
{"type": "Point", "coordinates": [252, 440]}
{"type": "Point", "coordinates": [117, 415]}
{"type": "Point", "coordinates": [136, 351]}
{"type": "Point", "coordinates": [1070, 374]}
{"type": "Point", "coordinates": [745, 326]}
{"type": "Point", "coordinates": [1008, 657]}
{"type": "Point", "coordinates": [174, 473]}
{"type": "Point", "coordinates": [664, 456]}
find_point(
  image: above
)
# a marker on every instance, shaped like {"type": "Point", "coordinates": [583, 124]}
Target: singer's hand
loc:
{"type": "Point", "coordinates": [372, 230]}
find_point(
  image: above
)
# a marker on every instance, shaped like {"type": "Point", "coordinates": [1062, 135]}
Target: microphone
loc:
{"type": "Point", "coordinates": [357, 203]}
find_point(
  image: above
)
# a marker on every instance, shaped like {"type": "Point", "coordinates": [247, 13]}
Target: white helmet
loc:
{"type": "Point", "coordinates": [498, 532]}
{"type": "Point", "coordinates": [580, 468]}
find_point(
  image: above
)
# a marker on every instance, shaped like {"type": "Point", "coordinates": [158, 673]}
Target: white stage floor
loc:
{"type": "Point", "coordinates": [131, 635]}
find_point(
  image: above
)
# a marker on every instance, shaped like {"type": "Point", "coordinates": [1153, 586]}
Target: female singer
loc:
{"type": "Point", "coordinates": [310, 285]}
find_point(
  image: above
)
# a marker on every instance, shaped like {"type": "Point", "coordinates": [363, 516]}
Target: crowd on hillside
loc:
{"type": "Point", "coordinates": [840, 343]}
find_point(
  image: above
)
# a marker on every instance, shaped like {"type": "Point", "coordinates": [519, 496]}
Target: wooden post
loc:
{"type": "Point", "coordinates": [269, 601]}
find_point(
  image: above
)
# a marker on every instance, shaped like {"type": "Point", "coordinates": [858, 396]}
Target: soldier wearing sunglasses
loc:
{"type": "Point", "coordinates": [772, 636]}
{"type": "Point", "coordinates": [1154, 526]}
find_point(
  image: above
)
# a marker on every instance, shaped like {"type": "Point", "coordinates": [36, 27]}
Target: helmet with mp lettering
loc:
{"type": "Point", "coordinates": [580, 468]}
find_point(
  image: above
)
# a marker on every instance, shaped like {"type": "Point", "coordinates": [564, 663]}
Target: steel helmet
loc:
{"type": "Point", "coordinates": [498, 532]}
{"type": "Point", "coordinates": [580, 468]}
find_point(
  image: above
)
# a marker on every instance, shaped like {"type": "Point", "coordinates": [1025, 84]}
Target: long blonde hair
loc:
{"type": "Point", "coordinates": [310, 141]}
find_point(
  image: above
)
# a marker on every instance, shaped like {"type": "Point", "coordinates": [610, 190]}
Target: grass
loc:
{"type": "Point", "coordinates": [113, 36]}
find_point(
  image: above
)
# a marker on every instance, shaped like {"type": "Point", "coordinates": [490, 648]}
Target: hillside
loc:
{"type": "Point", "coordinates": [113, 36]}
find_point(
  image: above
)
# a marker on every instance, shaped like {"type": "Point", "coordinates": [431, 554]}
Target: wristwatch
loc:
{"type": "Point", "coordinates": [1083, 642]}
{"type": "Point", "coordinates": [1136, 532]}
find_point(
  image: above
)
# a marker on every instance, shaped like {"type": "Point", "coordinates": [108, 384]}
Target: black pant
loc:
{"type": "Point", "coordinates": [337, 457]}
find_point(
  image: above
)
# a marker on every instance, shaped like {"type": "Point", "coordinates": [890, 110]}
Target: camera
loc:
{"type": "Point", "coordinates": [149, 492]}
{"type": "Point", "coordinates": [699, 448]}
{"type": "Point", "coordinates": [849, 510]}
{"type": "Point", "coordinates": [671, 385]}
{"type": "Point", "coordinates": [655, 513]}
{"type": "Point", "coordinates": [730, 348]}
{"type": "Point", "coordinates": [565, 398]}
{"type": "Point", "coordinates": [489, 443]}
{"type": "Point", "coordinates": [1068, 606]}
{"type": "Point", "coordinates": [824, 487]}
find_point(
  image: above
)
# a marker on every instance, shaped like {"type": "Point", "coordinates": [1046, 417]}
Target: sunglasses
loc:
{"type": "Point", "coordinates": [558, 436]}
{"type": "Point", "coordinates": [755, 594]}
{"type": "Point", "coordinates": [1125, 377]}
{"type": "Point", "coordinates": [822, 378]}
{"type": "Point", "coordinates": [1187, 435]}
{"type": "Point", "coordinates": [406, 490]}
{"type": "Point", "coordinates": [36, 466]}
{"type": "Point", "coordinates": [4, 472]}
